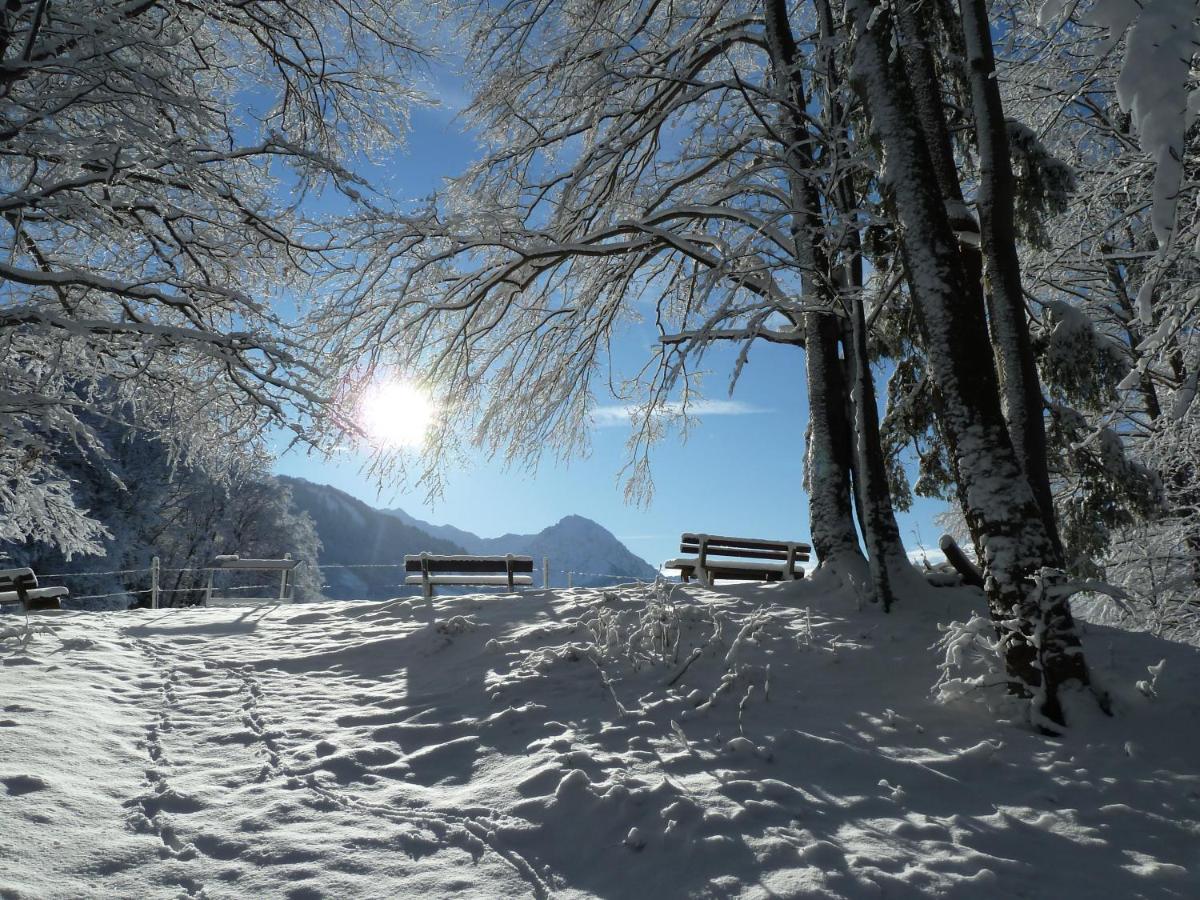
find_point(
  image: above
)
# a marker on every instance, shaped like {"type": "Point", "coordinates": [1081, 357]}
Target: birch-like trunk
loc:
{"type": "Point", "coordinates": [1043, 654]}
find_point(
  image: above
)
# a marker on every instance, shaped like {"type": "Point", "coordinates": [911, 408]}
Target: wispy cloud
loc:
{"type": "Point", "coordinates": [607, 416]}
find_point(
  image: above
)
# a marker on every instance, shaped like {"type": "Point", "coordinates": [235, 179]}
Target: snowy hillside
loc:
{"type": "Point", "coordinates": [758, 741]}
{"type": "Point", "coordinates": [574, 544]}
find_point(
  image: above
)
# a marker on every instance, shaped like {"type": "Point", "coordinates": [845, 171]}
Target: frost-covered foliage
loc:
{"type": "Point", "coordinates": [155, 158]}
{"type": "Point", "coordinates": [971, 660]}
{"type": "Point", "coordinates": [1155, 86]}
{"type": "Point", "coordinates": [1044, 183]}
{"type": "Point", "coordinates": [1102, 492]}
{"type": "Point", "coordinates": [1080, 364]}
{"type": "Point", "coordinates": [1115, 278]}
{"type": "Point", "coordinates": [630, 170]}
{"type": "Point", "coordinates": [1157, 563]}
{"type": "Point", "coordinates": [182, 508]}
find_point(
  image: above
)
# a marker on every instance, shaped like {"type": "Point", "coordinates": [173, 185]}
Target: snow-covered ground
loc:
{"type": "Point", "coordinates": [754, 741]}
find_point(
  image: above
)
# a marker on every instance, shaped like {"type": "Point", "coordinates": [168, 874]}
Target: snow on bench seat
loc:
{"type": "Point", "coordinates": [20, 586]}
{"type": "Point", "coordinates": [784, 555]}
{"type": "Point", "coordinates": [467, 571]}
{"type": "Point", "coordinates": [481, 580]}
{"type": "Point", "coordinates": [759, 568]}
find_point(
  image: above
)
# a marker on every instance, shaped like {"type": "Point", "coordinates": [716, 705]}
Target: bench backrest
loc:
{"type": "Point", "coordinates": [13, 579]}
{"type": "Point", "coordinates": [429, 563]}
{"type": "Point", "coordinates": [743, 548]}
{"type": "Point", "coordinates": [239, 562]}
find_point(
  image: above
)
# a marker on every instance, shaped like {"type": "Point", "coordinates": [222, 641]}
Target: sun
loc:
{"type": "Point", "coordinates": [396, 414]}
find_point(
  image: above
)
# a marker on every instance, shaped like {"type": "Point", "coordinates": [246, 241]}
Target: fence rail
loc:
{"type": "Point", "coordinates": [155, 571]}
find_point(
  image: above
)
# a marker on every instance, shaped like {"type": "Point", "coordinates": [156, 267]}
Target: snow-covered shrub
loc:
{"type": "Point", "coordinates": [971, 659]}
{"type": "Point", "coordinates": [641, 626]}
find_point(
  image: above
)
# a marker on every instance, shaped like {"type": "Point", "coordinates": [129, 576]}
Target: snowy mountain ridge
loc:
{"type": "Point", "coordinates": [355, 534]}
{"type": "Point", "coordinates": [361, 548]}
{"type": "Point", "coordinates": [575, 544]}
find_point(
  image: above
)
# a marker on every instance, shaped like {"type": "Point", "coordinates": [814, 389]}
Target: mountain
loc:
{"type": "Point", "coordinates": [355, 534]}
{"type": "Point", "coordinates": [472, 542]}
{"type": "Point", "coordinates": [575, 544]}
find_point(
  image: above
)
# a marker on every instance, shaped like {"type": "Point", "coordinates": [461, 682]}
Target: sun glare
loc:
{"type": "Point", "coordinates": [396, 414]}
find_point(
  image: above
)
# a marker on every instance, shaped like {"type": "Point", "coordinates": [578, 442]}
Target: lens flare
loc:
{"type": "Point", "coordinates": [396, 414]}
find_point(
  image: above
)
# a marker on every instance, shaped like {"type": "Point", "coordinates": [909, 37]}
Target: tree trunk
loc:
{"type": "Point", "coordinates": [872, 494]}
{"type": "Point", "coordinates": [829, 450]}
{"type": "Point", "coordinates": [827, 466]}
{"type": "Point", "coordinates": [885, 550]}
{"type": "Point", "coordinates": [999, 503]}
{"type": "Point", "coordinates": [995, 200]}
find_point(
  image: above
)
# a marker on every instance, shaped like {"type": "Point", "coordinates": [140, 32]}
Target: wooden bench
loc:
{"type": "Point", "coordinates": [468, 571]}
{"type": "Point", "coordinates": [783, 556]}
{"type": "Point", "coordinates": [234, 562]}
{"type": "Point", "coordinates": [20, 586]}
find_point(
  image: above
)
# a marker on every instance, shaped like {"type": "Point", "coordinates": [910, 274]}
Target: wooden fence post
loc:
{"type": "Point", "coordinates": [570, 579]}
{"type": "Point", "coordinates": [154, 583]}
{"type": "Point", "coordinates": [545, 571]}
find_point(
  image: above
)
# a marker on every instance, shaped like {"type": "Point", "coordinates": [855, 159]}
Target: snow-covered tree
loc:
{"type": "Point", "coordinates": [184, 508]}
{"type": "Point", "coordinates": [156, 156]}
{"type": "Point", "coordinates": [1114, 275]}
{"type": "Point", "coordinates": [641, 160]}
{"type": "Point", "coordinates": [995, 449]}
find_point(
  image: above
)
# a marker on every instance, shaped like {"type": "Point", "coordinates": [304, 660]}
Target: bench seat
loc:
{"type": "Point", "coordinates": [42, 593]}
{"type": "Point", "coordinates": [780, 565]}
{"type": "Point", "coordinates": [467, 580]}
{"type": "Point", "coordinates": [20, 586]}
{"type": "Point", "coordinates": [735, 570]}
{"type": "Point", "coordinates": [430, 570]}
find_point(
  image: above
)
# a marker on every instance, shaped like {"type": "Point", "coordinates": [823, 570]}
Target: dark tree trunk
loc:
{"type": "Point", "coordinates": [996, 200]}
{"type": "Point", "coordinates": [829, 450]}
{"type": "Point", "coordinates": [872, 494]}
{"type": "Point", "coordinates": [1000, 506]}
{"type": "Point", "coordinates": [877, 514]}
{"type": "Point", "coordinates": [827, 465]}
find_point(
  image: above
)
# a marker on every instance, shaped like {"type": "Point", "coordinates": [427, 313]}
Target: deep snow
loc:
{"type": "Point", "coordinates": [751, 741]}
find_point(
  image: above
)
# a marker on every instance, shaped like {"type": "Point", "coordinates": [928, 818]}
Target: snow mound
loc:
{"type": "Point", "coordinates": [660, 741]}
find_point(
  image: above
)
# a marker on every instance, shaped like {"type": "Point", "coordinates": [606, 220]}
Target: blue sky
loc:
{"type": "Point", "coordinates": [739, 472]}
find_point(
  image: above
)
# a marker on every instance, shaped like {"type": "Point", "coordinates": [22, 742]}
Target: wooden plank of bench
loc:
{"type": "Point", "coordinates": [714, 540]}
{"type": "Point", "coordinates": [40, 593]}
{"type": "Point", "coordinates": [20, 586]}
{"type": "Point", "coordinates": [239, 562]}
{"type": "Point", "coordinates": [428, 563]}
{"type": "Point", "coordinates": [748, 575]}
{"type": "Point", "coordinates": [467, 563]}
{"type": "Point", "coordinates": [732, 570]}
{"type": "Point", "coordinates": [469, 580]}
{"type": "Point", "coordinates": [743, 554]}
